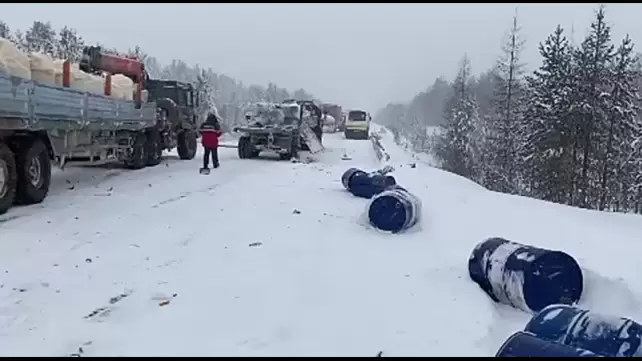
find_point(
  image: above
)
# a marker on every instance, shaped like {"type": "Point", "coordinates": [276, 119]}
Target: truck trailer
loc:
{"type": "Point", "coordinates": [43, 125]}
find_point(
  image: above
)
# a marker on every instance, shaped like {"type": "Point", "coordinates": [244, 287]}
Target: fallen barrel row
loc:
{"type": "Point", "coordinates": [547, 283]}
{"type": "Point", "coordinates": [541, 281]}
{"type": "Point", "coordinates": [391, 208]}
{"type": "Point", "coordinates": [563, 330]}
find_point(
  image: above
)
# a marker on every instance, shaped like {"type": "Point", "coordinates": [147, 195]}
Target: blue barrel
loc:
{"type": "Point", "coordinates": [366, 185]}
{"type": "Point", "coordinates": [524, 344]}
{"type": "Point", "coordinates": [394, 210]}
{"type": "Point", "coordinates": [604, 335]}
{"type": "Point", "coordinates": [347, 175]}
{"type": "Point", "coordinates": [525, 277]}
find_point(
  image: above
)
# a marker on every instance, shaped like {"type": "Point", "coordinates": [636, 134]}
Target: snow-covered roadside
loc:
{"type": "Point", "coordinates": [459, 213]}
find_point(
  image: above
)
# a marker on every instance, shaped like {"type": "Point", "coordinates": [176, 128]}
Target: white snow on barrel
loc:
{"type": "Point", "coordinates": [525, 277]}
{"type": "Point", "coordinates": [394, 210]}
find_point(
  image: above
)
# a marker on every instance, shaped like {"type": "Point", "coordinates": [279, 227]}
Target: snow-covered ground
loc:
{"type": "Point", "coordinates": [264, 257]}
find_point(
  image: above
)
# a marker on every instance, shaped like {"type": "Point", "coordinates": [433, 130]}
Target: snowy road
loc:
{"type": "Point", "coordinates": [265, 257]}
{"type": "Point", "coordinates": [167, 231]}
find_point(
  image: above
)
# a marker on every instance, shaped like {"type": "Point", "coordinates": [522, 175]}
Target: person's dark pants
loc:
{"type": "Point", "coordinates": [206, 157]}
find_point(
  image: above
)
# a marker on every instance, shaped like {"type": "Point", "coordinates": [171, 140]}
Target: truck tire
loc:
{"type": "Point", "coordinates": [154, 148]}
{"type": "Point", "coordinates": [245, 148]}
{"type": "Point", "coordinates": [187, 145]}
{"type": "Point", "coordinates": [138, 157]}
{"type": "Point", "coordinates": [33, 167]}
{"type": "Point", "coordinates": [8, 178]}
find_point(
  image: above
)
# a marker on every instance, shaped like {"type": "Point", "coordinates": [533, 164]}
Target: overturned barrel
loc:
{"type": "Point", "coordinates": [366, 185]}
{"type": "Point", "coordinates": [603, 335]}
{"type": "Point", "coordinates": [394, 210]}
{"type": "Point", "coordinates": [524, 344]}
{"type": "Point", "coordinates": [525, 277]}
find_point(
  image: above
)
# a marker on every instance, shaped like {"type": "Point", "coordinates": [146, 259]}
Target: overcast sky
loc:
{"type": "Point", "coordinates": [353, 54]}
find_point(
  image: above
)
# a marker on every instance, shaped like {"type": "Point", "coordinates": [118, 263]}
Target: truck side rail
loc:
{"type": "Point", "coordinates": [29, 105]}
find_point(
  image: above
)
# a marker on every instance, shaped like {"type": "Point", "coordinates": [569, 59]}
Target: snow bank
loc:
{"type": "Point", "coordinates": [461, 213]}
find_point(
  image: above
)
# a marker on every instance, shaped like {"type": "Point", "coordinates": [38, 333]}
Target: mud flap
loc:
{"type": "Point", "coordinates": [310, 138]}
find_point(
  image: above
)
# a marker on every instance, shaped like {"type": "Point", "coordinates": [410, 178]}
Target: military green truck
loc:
{"type": "Point", "coordinates": [43, 125]}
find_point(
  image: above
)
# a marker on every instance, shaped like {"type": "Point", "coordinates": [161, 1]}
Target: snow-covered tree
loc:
{"type": "Point", "coordinates": [69, 44]}
{"type": "Point", "coordinates": [504, 123]}
{"type": "Point", "coordinates": [623, 127]}
{"type": "Point", "coordinates": [19, 40]}
{"type": "Point", "coordinates": [549, 130]}
{"type": "Point", "coordinates": [41, 37]}
{"type": "Point", "coordinates": [301, 94]}
{"type": "Point", "coordinates": [5, 31]}
{"type": "Point", "coordinates": [455, 146]}
{"type": "Point", "coordinates": [593, 74]}
{"type": "Point", "coordinates": [203, 90]}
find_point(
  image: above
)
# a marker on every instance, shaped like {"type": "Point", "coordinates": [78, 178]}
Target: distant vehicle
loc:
{"type": "Point", "coordinates": [282, 128]}
{"type": "Point", "coordinates": [336, 112]}
{"type": "Point", "coordinates": [357, 125]}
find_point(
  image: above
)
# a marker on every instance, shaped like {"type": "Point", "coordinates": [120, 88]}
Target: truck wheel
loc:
{"type": "Point", "coordinates": [255, 153]}
{"type": "Point", "coordinates": [138, 157]}
{"type": "Point", "coordinates": [34, 172]}
{"type": "Point", "coordinates": [7, 178]}
{"type": "Point", "coordinates": [187, 145]}
{"type": "Point", "coordinates": [245, 148]}
{"type": "Point", "coordinates": [154, 148]}
{"type": "Point", "coordinates": [285, 156]}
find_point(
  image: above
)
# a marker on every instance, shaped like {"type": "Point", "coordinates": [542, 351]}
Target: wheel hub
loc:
{"type": "Point", "coordinates": [4, 178]}
{"type": "Point", "coordinates": [34, 171]}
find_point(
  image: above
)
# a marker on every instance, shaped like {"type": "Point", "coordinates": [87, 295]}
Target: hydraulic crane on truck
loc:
{"type": "Point", "coordinates": [177, 102]}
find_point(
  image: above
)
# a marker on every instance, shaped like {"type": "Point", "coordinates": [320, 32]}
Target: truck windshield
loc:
{"type": "Point", "coordinates": [290, 112]}
{"type": "Point", "coordinates": [357, 116]}
{"type": "Point", "coordinates": [160, 92]}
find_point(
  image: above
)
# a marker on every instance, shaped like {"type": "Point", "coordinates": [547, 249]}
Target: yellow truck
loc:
{"type": "Point", "coordinates": [357, 124]}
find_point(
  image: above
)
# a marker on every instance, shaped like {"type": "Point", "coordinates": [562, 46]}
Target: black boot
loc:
{"type": "Point", "coordinates": [215, 158]}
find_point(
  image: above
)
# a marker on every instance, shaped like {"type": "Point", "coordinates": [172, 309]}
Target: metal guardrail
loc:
{"type": "Point", "coordinates": [379, 149]}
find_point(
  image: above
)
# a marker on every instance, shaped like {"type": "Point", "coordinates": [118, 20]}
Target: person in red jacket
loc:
{"type": "Point", "coordinates": [210, 132]}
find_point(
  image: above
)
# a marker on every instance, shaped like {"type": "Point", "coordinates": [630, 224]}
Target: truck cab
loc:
{"type": "Point", "coordinates": [181, 94]}
{"type": "Point", "coordinates": [357, 124]}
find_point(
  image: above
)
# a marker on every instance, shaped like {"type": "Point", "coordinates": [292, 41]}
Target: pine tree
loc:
{"type": "Point", "coordinates": [505, 119]}
{"type": "Point", "coordinates": [69, 44]}
{"type": "Point", "coordinates": [41, 37]}
{"type": "Point", "coordinates": [548, 127]}
{"type": "Point", "coordinates": [591, 66]}
{"type": "Point", "coordinates": [5, 31]}
{"type": "Point", "coordinates": [455, 147]}
{"type": "Point", "coordinates": [623, 128]}
{"type": "Point", "coordinates": [19, 39]}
